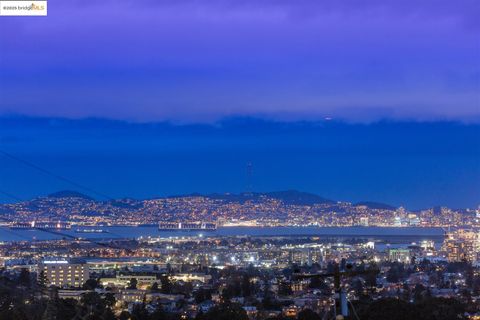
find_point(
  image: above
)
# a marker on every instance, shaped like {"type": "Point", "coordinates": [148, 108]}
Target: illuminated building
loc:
{"type": "Point", "coordinates": [364, 221]}
{"type": "Point", "coordinates": [399, 255]}
{"type": "Point", "coordinates": [291, 311]}
{"type": "Point", "coordinates": [190, 277]}
{"type": "Point", "coordinates": [64, 273]}
{"type": "Point", "coordinates": [123, 281]}
{"type": "Point", "coordinates": [462, 245]}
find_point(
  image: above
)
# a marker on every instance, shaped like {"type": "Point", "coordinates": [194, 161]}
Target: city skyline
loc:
{"type": "Point", "coordinates": [239, 160]}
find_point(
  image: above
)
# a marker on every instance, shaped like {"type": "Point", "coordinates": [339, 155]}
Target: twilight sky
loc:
{"type": "Point", "coordinates": [186, 92]}
{"type": "Point", "coordinates": [200, 61]}
{"type": "Point", "coordinates": [401, 163]}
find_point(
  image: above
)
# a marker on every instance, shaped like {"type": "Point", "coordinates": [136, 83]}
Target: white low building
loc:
{"type": "Point", "coordinates": [123, 281]}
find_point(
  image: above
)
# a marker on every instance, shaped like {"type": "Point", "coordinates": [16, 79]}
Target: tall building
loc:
{"type": "Point", "coordinates": [64, 273]}
{"type": "Point", "coordinates": [462, 245]}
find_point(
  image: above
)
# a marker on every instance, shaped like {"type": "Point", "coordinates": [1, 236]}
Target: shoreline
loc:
{"type": "Point", "coordinates": [135, 232]}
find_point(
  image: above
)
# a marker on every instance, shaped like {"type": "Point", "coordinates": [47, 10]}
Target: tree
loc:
{"type": "Point", "coordinates": [318, 283]}
{"type": "Point", "coordinates": [308, 314]}
{"type": "Point", "coordinates": [343, 264]}
{"type": "Point", "coordinates": [109, 299]}
{"type": "Point", "coordinates": [233, 288]}
{"type": "Point", "coordinates": [406, 292]}
{"type": "Point", "coordinates": [93, 302]}
{"type": "Point", "coordinates": [108, 314]}
{"type": "Point", "coordinates": [159, 314]}
{"type": "Point", "coordinates": [418, 292]}
{"type": "Point", "coordinates": [42, 279]}
{"type": "Point", "coordinates": [139, 312]}
{"type": "Point", "coordinates": [24, 278]}
{"type": "Point", "coordinates": [371, 276]}
{"type": "Point", "coordinates": [133, 284]}
{"type": "Point", "coordinates": [166, 284]}
{"type": "Point", "coordinates": [246, 286]}
{"type": "Point", "coordinates": [392, 309]}
{"type": "Point", "coordinates": [154, 287]}
{"type": "Point", "coordinates": [181, 287]}
{"type": "Point", "coordinates": [476, 285]}
{"type": "Point", "coordinates": [268, 301]}
{"type": "Point", "coordinates": [395, 273]}
{"type": "Point", "coordinates": [440, 309]}
{"type": "Point", "coordinates": [51, 310]}
{"type": "Point", "coordinates": [331, 267]}
{"type": "Point", "coordinates": [224, 311]}
{"type": "Point", "coordinates": [202, 295]}
{"type": "Point", "coordinates": [358, 286]}
{"type": "Point", "coordinates": [284, 289]}
{"type": "Point", "coordinates": [90, 284]}
{"type": "Point", "coordinates": [125, 315]}
{"type": "Point", "coordinates": [67, 308]}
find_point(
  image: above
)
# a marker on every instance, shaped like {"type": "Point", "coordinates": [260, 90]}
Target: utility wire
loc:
{"type": "Point", "coordinates": [354, 311]}
{"type": "Point", "coordinates": [11, 196]}
{"type": "Point", "coordinates": [62, 178]}
{"type": "Point", "coordinates": [58, 233]}
{"type": "Point", "coordinates": [16, 234]}
{"type": "Point", "coordinates": [54, 175]}
{"type": "Point", "coordinates": [36, 228]}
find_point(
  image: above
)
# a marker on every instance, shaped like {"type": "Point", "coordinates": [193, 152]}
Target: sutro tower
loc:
{"type": "Point", "coordinates": [249, 174]}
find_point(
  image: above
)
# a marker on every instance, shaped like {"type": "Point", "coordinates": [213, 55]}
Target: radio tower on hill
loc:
{"type": "Point", "coordinates": [249, 174]}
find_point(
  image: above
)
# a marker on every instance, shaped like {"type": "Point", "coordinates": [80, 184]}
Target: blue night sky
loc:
{"type": "Point", "coordinates": [401, 163]}
{"type": "Point", "coordinates": [186, 92]}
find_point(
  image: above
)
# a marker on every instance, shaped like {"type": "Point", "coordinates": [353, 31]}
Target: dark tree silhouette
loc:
{"type": "Point", "coordinates": [166, 284]}
{"type": "Point", "coordinates": [308, 314]}
{"type": "Point", "coordinates": [133, 284]}
{"type": "Point", "coordinates": [225, 311]}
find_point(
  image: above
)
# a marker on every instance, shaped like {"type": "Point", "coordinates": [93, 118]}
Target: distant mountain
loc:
{"type": "Point", "coordinates": [126, 203]}
{"type": "Point", "coordinates": [289, 197]}
{"type": "Point", "coordinates": [375, 205]}
{"type": "Point", "coordinates": [69, 194]}
{"type": "Point", "coordinates": [295, 197]}
{"type": "Point", "coordinates": [230, 197]}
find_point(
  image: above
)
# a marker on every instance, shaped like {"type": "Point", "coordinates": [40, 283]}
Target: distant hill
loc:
{"type": "Point", "coordinates": [231, 197]}
{"type": "Point", "coordinates": [126, 203]}
{"type": "Point", "coordinates": [69, 194]}
{"type": "Point", "coordinates": [375, 205]}
{"type": "Point", "coordinates": [290, 197]}
{"type": "Point", "coordinates": [295, 197]}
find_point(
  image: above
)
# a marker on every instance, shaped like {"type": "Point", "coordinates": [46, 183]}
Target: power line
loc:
{"type": "Point", "coordinates": [54, 175]}
{"type": "Point", "coordinates": [354, 311]}
{"type": "Point", "coordinates": [58, 233]}
{"type": "Point", "coordinates": [11, 196]}
{"type": "Point", "coordinates": [16, 234]}
{"type": "Point", "coordinates": [62, 178]}
{"type": "Point", "coordinates": [54, 232]}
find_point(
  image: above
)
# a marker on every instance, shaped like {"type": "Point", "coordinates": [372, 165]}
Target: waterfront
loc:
{"type": "Point", "coordinates": [393, 234]}
{"type": "Point", "coordinates": [239, 263]}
